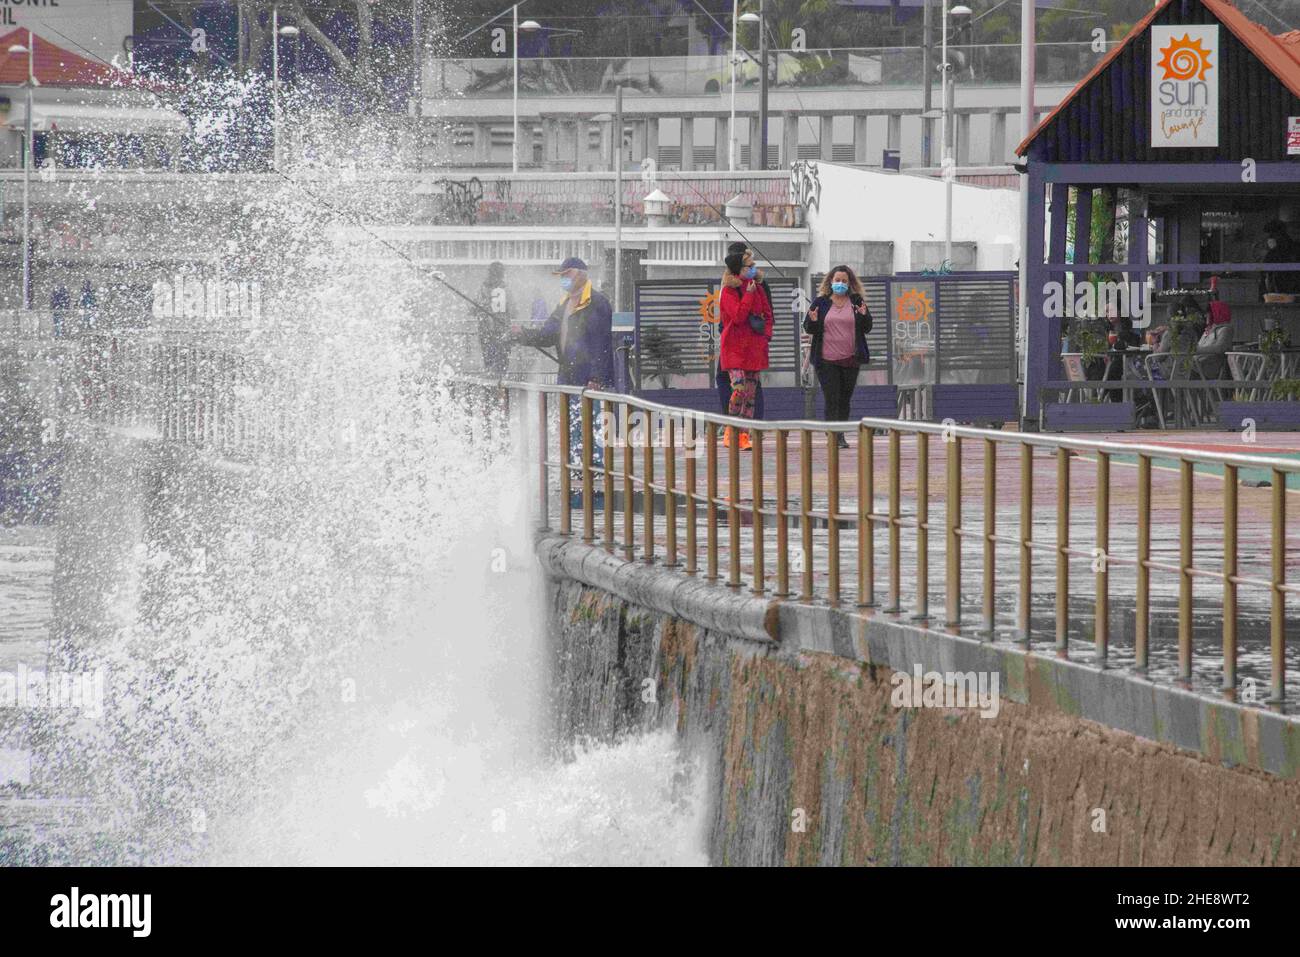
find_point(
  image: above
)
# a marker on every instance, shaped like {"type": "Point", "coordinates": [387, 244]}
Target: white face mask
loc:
{"type": "Point", "coordinates": [1272, 243]}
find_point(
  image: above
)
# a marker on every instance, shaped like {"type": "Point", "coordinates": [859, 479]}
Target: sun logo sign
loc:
{"type": "Point", "coordinates": [709, 331]}
{"type": "Point", "coordinates": [1185, 86]}
{"type": "Point", "coordinates": [913, 305]}
{"type": "Point", "coordinates": [1185, 59]}
{"type": "Point", "coordinates": [913, 330]}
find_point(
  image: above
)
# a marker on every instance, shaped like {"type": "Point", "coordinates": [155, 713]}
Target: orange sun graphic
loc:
{"type": "Point", "coordinates": [913, 306]}
{"type": "Point", "coordinates": [709, 306]}
{"type": "Point", "coordinates": [1184, 59]}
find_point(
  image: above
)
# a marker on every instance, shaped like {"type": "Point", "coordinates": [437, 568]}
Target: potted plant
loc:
{"type": "Point", "coordinates": [659, 356]}
{"type": "Point", "coordinates": [1092, 344]}
{"type": "Point", "coordinates": [1278, 411]}
{"type": "Point", "coordinates": [1272, 343]}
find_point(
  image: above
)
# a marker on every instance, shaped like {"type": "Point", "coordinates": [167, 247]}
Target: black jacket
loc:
{"type": "Point", "coordinates": [862, 325]}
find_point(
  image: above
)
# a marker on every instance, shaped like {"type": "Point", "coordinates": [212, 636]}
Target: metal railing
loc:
{"type": "Point", "coordinates": [835, 68]}
{"type": "Point", "coordinates": [790, 522]}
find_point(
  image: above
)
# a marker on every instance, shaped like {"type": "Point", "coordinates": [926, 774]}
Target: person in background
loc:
{"type": "Point", "coordinates": [721, 378]}
{"type": "Point", "coordinates": [494, 328]}
{"type": "Point", "coordinates": [1281, 249]}
{"type": "Point", "coordinates": [89, 307]}
{"type": "Point", "coordinates": [1121, 337]}
{"type": "Point", "coordinates": [60, 303]}
{"type": "Point", "coordinates": [838, 322]}
{"type": "Point", "coordinates": [747, 324]}
{"type": "Point", "coordinates": [580, 328]}
{"type": "Point", "coordinates": [1216, 341]}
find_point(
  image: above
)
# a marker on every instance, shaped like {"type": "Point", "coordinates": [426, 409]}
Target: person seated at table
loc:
{"type": "Point", "coordinates": [1186, 324]}
{"type": "Point", "coordinates": [1122, 337]}
{"type": "Point", "coordinates": [1216, 341]}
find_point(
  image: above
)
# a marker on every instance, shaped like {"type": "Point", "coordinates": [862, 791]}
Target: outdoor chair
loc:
{"type": "Point", "coordinates": [1180, 405]}
{"type": "Point", "coordinates": [1247, 367]}
{"type": "Point", "coordinates": [1074, 372]}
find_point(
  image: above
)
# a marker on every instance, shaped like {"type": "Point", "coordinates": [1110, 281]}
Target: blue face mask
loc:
{"type": "Point", "coordinates": [839, 288]}
{"type": "Point", "coordinates": [749, 272]}
{"type": "Point", "coordinates": [566, 283]}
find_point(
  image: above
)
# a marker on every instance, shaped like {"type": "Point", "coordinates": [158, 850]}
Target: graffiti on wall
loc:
{"type": "Point", "coordinates": [805, 185]}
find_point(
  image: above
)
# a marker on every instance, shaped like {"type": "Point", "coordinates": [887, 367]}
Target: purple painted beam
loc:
{"type": "Point", "coordinates": [1140, 173]}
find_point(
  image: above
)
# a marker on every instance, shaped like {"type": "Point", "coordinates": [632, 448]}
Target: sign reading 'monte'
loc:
{"type": "Point", "coordinates": [1185, 86]}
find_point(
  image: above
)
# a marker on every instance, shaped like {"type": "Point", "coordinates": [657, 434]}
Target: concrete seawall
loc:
{"type": "Point", "coordinates": [811, 760]}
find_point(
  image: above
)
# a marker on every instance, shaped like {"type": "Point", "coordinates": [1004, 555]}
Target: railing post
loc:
{"type": "Point", "coordinates": [670, 491]}
{"type": "Point", "coordinates": [922, 526]}
{"type": "Point", "coordinates": [1185, 553]}
{"type": "Point", "coordinates": [607, 473]}
{"type": "Point", "coordinates": [543, 470]}
{"type": "Point", "coordinates": [1277, 629]}
{"type": "Point", "coordinates": [866, 525]}
{"type": "Point", "coordinates": [952, 515]}
{"type": "Point", "coordinates": [629, 488]}
{"type": "Point", "coordinates": [756, 475]}
{"type": "Point", "coordinates": [566, 479]}
{"type": "Point", "coordinates": [648, 492]}
{"type": "Point", "coordinates": [1142, 626]}
{"type": "Point", "coordinates": [692, 550]}
{"type": "Point", "coordinates": [1229, 582]}
{"type": "Point", "coordinates": [711, 506]}
{"type": "Point", "coordinates": [782, 466]}
{"type": "Point", "coordinates": [1101, 624]}
{"type": "Point", "coordinates": [895, 513]}
{"type": "Point", "coordinates": [1063, 552]}
{"type": "Point", "coordinates": [832, 509]}
{"type": "Point", "coordinates": [990, 535]}
{"type": "Point", "coordinates": [588, 487]}
{"type": "Point", "coordinates": [1024, 605]}
{"type": "Point", "coordinates": [806, 529]}
{"type": "Point", "coordinates": [733, 510]}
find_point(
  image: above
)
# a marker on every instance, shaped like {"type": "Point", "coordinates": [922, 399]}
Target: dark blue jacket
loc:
{"type": "Point", "coordinates": [588, 353]}
{"type": "Point", "coordinates": [862, 325]}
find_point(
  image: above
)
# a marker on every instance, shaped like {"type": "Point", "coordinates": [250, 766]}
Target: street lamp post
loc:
{"type": "Point", "coordinates": [17, 50]}
{"type": "Point", "coordinates": [762, 88]}
{"type": "Point", "coordinates": [731, 126]}
{"type": "Point", "coordinates": [277, 31]}
{"type": "Point", "coordinates": [762, 85]}
{"type": "Point", "coordinates": [527, 25]}
{"type": "Point", "coordinates": [927, 56]}
{"type": "Point", "coordinates": [949, 169]}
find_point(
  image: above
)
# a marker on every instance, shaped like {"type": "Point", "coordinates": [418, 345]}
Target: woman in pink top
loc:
{"type": "Point", "coordinates": [839, 322]}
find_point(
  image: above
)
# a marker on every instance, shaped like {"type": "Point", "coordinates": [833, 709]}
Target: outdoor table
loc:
{"type": "Point", "coordinates": [1132, 370]}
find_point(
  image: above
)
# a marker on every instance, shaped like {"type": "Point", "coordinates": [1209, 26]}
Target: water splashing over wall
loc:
{"type": "Point", "coordinates": [323, 646]}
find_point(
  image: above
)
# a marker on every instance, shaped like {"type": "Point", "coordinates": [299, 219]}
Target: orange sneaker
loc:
{"type": "Point", "coordinates": [726, 437]}
{"type": "Point", "coordinates": [746, 444]}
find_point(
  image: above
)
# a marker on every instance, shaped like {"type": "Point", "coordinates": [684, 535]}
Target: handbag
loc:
{"type": "Point", "coordinates": [757, 323]}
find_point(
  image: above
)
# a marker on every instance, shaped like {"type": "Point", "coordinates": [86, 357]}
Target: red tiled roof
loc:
{"type": "Point", "coordinates": [1281, 54]}
{"type": "Point", "coordinates": [53, 65]}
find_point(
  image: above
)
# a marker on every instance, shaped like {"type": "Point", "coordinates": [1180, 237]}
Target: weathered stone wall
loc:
{"type": "Point", "coordinates": [785, 730]}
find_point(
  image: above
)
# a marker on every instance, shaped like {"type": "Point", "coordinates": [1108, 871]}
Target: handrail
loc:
{"type": "Point", "coordinates": [664, 510]}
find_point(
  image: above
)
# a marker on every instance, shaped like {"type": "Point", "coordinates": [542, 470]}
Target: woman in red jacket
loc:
{"type": "Point", "coordinates": [746, 330]}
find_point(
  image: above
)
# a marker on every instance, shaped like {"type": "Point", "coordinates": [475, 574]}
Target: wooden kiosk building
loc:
{"type": "Point", "coordinates": [1187, 138]}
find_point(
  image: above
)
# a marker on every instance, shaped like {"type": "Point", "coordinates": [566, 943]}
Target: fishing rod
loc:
{"type": "Point", "coordinates": [402, 254]}
{"type": "Point", "coordinates": [732, 223]}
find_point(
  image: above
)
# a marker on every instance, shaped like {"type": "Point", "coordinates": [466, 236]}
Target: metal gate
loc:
{"type": "Point", "coordinates": [942, 347]}
{"type": "Point", "coordinates": [949, 342]}
{"type": "Point", "coordinates": [675, 356]}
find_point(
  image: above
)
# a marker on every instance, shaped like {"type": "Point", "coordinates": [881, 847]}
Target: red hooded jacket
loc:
{"type": "Point", "coordinates": [741, 347]}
